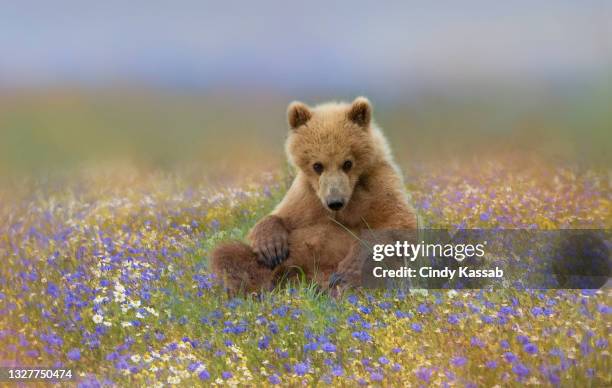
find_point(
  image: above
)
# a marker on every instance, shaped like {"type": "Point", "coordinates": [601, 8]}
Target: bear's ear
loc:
{"type": "Point", "coordinates": [298, 114]}
{"type": "Point", "coordinates": [360, 112]}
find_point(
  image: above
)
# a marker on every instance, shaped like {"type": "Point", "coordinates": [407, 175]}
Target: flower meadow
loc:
{"type": "Point", "coordinates": [106, 274]}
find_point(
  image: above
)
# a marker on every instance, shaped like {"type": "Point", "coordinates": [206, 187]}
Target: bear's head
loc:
{"type": "Point", "coordinates": [333, 145]}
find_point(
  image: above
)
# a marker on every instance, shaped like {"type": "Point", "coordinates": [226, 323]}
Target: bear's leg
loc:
{"type": "Point", "coordinates": [316, 250]}
{"type": "Point", "coordinates": [236, 265]}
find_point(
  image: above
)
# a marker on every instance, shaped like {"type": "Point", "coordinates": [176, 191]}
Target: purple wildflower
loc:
{"type": "Point", "coordinates": [300, 369]}
{"type": "Point", "coordinates": [423, 309]}
{"type": "Point", "coordinates": [263, 343]}
{"type": "Point", "coordinates": [459, 361]}
{"type": "Point", "coordinates": [274, 379]}
{"type": "Point", "coordinates": [363, 336]}
{"type": "Point", "coordinates": [520, 369]}
{"type": "Point", "coordinates": [530, 348]}
{"type": "Point", "coordinates": [328, 347]}
{"type": "Point", "coordinates": [423, 374]}
{"type": "Point", "coordinates": [337, 370]}
{"type": "Point", "coordinates": [204, 375]}
{"type": "Point", "coordinates": [74, 354]}
{"type": "Point", "coordinates": [376, 376]}
{"type": "Point", "coordinates": [510, 357]}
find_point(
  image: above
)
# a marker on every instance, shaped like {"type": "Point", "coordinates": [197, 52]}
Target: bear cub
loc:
{"type": "Point", "coordinates": [346, 184]}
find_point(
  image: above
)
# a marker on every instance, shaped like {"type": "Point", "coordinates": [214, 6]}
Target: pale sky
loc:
{"type": "Point", "coordinates": [282, 44]}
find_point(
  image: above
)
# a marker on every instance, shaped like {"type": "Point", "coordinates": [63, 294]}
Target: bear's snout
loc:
{"type": "Point", "coordinates": [334, 190]}
{"type": "Point", "coordinates": [335, 204]}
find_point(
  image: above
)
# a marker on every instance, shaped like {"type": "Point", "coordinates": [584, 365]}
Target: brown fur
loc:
{"type": "Point", "coordinates": [303, 232]}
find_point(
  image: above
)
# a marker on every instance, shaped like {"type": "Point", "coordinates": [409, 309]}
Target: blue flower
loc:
{"type": "Point", "coordinates": [554, 378]}
{"type": "Point", "coordinates": [32, 353]}
{"type": "Point", "coordinates": [215, 224]}
{"type": "Point", "coordinates": [337, 370]}
{"type": "Point", "coordinates": [53, 290]}
{"type": "Point", "coordinates": [530, 348]}
{"type": "Point", "coordinates": [310, 347]}
{"type": "Point", "coordinates": [74, 354]}
{"type": "Point", "coordinates": [328, 347]}
{"type": "Point", "coordinates": [475, 341]}
{"type": "Point", "coordinates": [300, 369]}
{"type": "Point", "coordinates": [522, 339]}
{"type": "Point", "coordinates": [585, 347]}
{"type": "Point", "coordinates": [122, 364]}
{"type": "Point", "coordinates": [520, 369]}
{"type": "Point", "coordinates": [416, 327]}
{"type": "Point", "coordinates": [376, 376]}
{"type": "Point", "coordinates": [603, 309]}
{"type": "Point", "coordinates": [423, 374]}
{"type": "Point", "coordinates": [365, 309]}
{"type": "Point", "coordinates": [556, 352]}
{"type": "Point", "coordinates": [274, 328]}
{"type": "Point", "coordinates": [491, 364]}
{"type": "Point", "coordinates": [274, 379]}
{"type": "Point", "coordinates": [537, 311]}
{"type": "Point", "coordinates": [459, 361]}
{"type": "Point", "coordinates": [281, 353]}
{"type": "Point", "coordinates": [281, 311]}
{"type": "Point", "coordinates": [204, 375]}
{"type": "Point", "coordinates": [506, 310]}
{"type": "Point", "coordinates": [263, 343]}
{"type": "Point", "coordinates": [423, 309]}
{"type": "Point", "coordinates": [383, 360]}
{"type": "Point", "coordinates": [226, 375]}
{"type": "Point", "coordinates": [510, 357]}
{"type": "Point", "coordinates": [453, 319]}
{"type": "Point", "coordinates": [193, 366]}
{"type": "Point", "coordinates": [601, 343]}
{"type": "Point", "coordinates": [363, 336]}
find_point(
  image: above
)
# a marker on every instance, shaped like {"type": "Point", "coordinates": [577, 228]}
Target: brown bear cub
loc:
{"type": "Point", "coordinates": [346, 185]}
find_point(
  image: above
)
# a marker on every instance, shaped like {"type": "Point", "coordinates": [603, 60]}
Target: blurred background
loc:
{"type": "Point", "coordinates": [165, 85]}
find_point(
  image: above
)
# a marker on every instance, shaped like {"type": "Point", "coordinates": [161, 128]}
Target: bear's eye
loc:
{"type": "Point", "coordinates": [347, 166]}
{"type": "Point", "coordinates": [318, 167]}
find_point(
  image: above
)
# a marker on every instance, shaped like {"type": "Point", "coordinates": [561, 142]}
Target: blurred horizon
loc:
{"type": "Point", "coordinates": [164, 85]}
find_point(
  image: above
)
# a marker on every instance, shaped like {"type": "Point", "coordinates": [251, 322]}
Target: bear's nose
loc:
{"type": "Point", "coordinates": [335, 205]}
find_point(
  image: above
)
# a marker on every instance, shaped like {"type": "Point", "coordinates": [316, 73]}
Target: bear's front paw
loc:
{"type": "Point", "coordinates": [269, 239]}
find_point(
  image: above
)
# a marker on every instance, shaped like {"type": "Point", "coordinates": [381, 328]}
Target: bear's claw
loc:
{"type": "Point", "coordinates": [272, 253]}
{"type": "Point", "coordinates": [336, 279]}
{"type": "Point", "coordinates": [269, 239]}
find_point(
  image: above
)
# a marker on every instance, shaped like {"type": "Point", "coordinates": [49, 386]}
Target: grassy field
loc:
{"type": "Point", "coordinates": [111, 202]}
{"type": "Point", "coordinates": [105, 272]}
